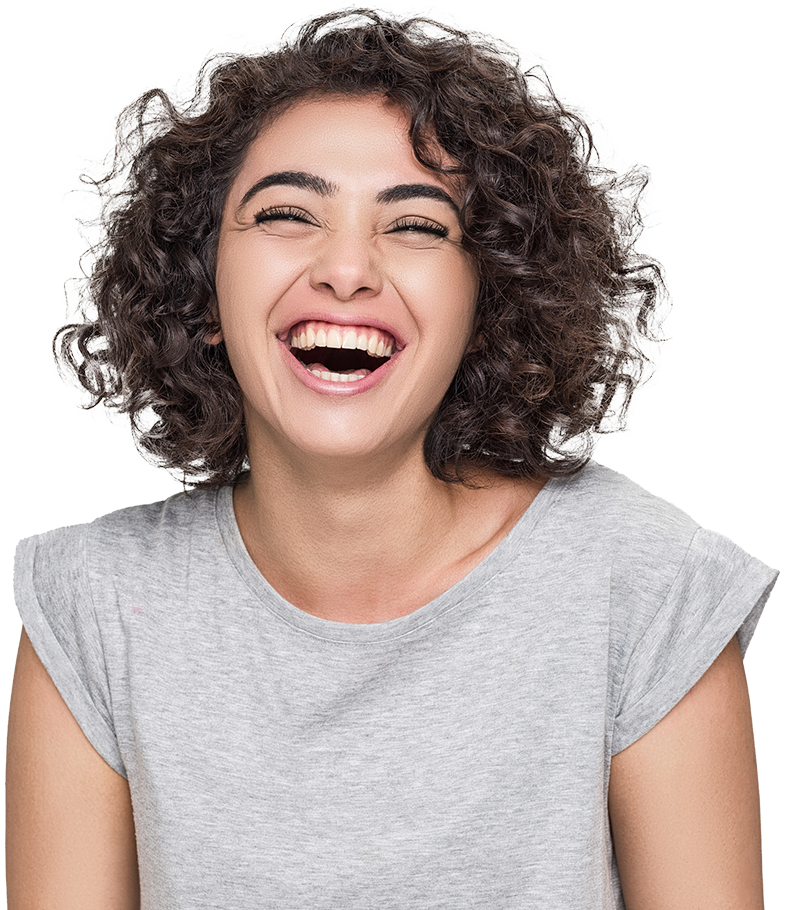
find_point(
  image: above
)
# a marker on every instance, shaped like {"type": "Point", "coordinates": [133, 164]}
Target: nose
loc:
{"type": "Point", "coordinates": [347, 266]}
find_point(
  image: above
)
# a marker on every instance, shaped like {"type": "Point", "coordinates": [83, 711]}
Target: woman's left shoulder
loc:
{"type": "Point", "coordinates": [610, 502]}
{"type": "Point", "coordinates": [638, 531]}
{"type": "Point", "coordinates": [649, 537]}
{"type": "Point", "coordinates": [605, 520]}
{"type": "Point", "coordinates": [676, 593]}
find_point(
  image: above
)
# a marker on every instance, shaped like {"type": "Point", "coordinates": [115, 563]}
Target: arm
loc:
{"type": "Point", "coordinates": [70, 834]}
{"type": "Point", "coordinates": [683, 802]}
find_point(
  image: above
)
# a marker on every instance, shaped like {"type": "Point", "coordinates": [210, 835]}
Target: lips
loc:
{"type": "Point", "coordinates": [340, 353]}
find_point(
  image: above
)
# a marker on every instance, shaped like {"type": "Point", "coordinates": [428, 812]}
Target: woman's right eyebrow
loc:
{"type": "Point", "coordinates": [300, 179]}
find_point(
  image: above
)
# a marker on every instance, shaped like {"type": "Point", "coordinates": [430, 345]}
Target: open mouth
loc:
{"type": "Point", "coordinates": [340, 353]}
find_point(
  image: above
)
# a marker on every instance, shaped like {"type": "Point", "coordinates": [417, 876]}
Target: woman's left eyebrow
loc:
{"type": "Point", "coordinates": [404, 191]}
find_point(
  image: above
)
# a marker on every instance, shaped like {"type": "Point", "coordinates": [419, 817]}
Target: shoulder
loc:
{"type": "Point", "coordinates": [649, 537]}
{"type": "Point", "coordinates": [676, 592]}
{"type": "Point", "coordinates": [624, 527]}
{"type": "Point", "coordinates": [665, 574]}
{"type": "Point", "coordinates": [176, 516]}
{"type": "Point", "coordinates": [604, 498]}
{"type": "Point", "coordinates": [79, 589]}
{"type": "Point", "coordinates": [142, 523]}
{"type": "Point", "coordinates": [646, 540]}
{"type": "Point", "coordinates": [130, 540]}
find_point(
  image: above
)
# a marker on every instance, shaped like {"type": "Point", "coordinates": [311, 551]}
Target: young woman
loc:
{"type": "Point", "coordinates": [404, 644]}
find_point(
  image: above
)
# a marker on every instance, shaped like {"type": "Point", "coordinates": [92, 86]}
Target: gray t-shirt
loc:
{"type": "Point", "coordinates": [457, 757]}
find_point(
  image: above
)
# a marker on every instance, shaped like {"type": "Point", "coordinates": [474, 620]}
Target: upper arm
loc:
{"type": "Point", "coordinates": [70, 834]}
{"type": "Point", "coordinates": [684, 804]}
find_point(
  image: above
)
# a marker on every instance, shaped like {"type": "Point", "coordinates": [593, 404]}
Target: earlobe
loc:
{"type": "Point", "coordinates": [476, 342]}
{"type": "Point", "coordinates": [216, 336]}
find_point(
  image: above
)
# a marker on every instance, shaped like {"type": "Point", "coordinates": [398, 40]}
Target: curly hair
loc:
{"type": "Point", "coordinates": [564, 300]}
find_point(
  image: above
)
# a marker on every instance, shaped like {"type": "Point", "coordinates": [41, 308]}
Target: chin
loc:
{"type": "Point", "coordinates": [352, 451]}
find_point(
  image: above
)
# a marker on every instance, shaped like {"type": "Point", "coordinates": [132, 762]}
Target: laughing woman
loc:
{"type": "Point", "coordinates": [403, 644]}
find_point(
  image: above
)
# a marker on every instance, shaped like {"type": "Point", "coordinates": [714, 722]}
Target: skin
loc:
{"type": "Point", "coordinates": [363, 532]}
{"type": "Point", "coordinates": [344, 484]}
{"type": "Point", "coordinates": [683, 801]}
{"type": "Point", "coordinates": [70, 832]}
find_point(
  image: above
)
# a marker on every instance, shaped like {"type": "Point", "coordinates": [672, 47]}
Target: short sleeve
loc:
{"type": "Point", "coordinates": [54, 599]}
{"type": "Point", "coordinates": [719, 590]}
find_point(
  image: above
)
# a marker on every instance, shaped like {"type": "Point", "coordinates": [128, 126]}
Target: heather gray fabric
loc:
{"type": "Point", "coordinates": [457, 757]}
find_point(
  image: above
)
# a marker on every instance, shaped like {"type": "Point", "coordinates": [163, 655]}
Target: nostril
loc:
{"type": "Point", "coordinates": [346, 292]}
{"type": "Point", "coordinates": [345, 273]}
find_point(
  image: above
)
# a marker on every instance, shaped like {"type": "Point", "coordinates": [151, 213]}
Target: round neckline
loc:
{"type": "Point", "coordinates": [392, 629]}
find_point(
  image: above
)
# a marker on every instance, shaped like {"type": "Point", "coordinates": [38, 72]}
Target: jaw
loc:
{"type": "Point", "coordinates": [375, 420]}
{"type": "Point", "coordinates": [337, 437]}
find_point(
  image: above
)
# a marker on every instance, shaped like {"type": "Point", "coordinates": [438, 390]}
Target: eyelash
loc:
{"type": "Point", "coordinates": [287, 213]}
{"type": "Point", "coordinates": [415, 224]}
{"type": "Point", "coordinates": [281, 213]}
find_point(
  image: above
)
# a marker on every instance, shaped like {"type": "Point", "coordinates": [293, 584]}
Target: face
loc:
{"type": "Point", "coordinates": [345, 298]}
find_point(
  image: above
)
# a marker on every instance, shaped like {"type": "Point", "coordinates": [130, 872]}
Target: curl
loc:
{"type": "Point", "coordinates": [565, 303]}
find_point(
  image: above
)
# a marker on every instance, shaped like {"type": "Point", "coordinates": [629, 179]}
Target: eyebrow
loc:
{"type": "Point", "coordinates": [305, 181]}
{"type": "Point", "coordinates": [404, 191]}
{"type": "Point", "coordinates": [300, 179]}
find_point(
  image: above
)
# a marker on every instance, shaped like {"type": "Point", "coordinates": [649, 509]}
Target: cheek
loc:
{"type": "Point", "coordinates": [249, 278]}
{"type": "Point", "coordinates": [458, 289]}
{"type": "Point", "coordinates": [240, 309]}
{"type": "Point", "coordinates": [238, 270]}
{"type": "Point", "coordinates": [443, 293]}
{"type": "Point", "coordinates": [450, 312]}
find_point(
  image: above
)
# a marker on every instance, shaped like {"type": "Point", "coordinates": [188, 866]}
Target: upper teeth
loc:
{"type": "Point", "coordinates": [309, 335]}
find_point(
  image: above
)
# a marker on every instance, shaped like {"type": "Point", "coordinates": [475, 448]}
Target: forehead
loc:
{"type": "Point", "coordinates": [347, 141]}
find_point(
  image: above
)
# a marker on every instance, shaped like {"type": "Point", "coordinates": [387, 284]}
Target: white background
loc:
{"type": "Point", "coordinates": [688, 89]}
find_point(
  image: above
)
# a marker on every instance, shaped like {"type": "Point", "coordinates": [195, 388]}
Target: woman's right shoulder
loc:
{"type": "Point", "coordinates": [81, 590]}
{"type": "Point", "coordinates": [118, 535]}
{"type": "Point", "coordinates": [72, 568]}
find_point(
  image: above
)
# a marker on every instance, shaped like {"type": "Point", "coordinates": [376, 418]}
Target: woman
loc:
{"type": "Point", "coordinates": [423, 652]}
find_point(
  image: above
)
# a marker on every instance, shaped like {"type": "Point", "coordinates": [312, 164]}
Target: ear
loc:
{"type": "Point", "coordinates": [217, 336]}
{"type": "Point", "coordinates": [477, 340]}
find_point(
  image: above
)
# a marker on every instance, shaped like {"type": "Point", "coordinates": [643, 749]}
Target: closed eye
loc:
{"type": "Point", "coordinates": [282, 213]}
{"type": "Point", "coordinates": [419, 225]}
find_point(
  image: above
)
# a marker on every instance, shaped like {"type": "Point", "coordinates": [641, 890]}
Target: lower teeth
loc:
{"type": "Point", "coordinates": [339, 377]}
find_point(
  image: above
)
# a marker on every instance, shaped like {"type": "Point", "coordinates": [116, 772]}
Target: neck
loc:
{"type": "Point", "coordinates": [367, 542]}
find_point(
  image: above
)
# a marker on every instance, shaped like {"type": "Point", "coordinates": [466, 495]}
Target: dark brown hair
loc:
{"type": "Point", "coordinates": [564, 299]}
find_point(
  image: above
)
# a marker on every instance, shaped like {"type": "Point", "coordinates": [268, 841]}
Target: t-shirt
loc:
{"type": "Point", "coordinates": [456, 757]}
